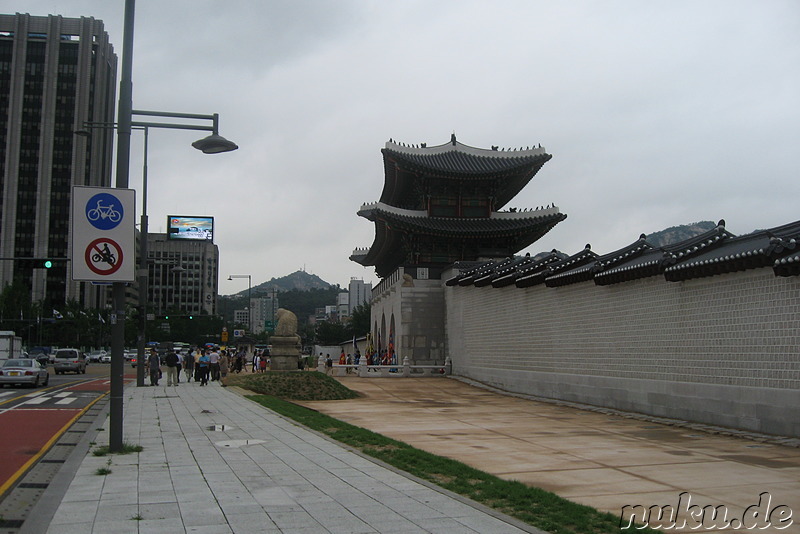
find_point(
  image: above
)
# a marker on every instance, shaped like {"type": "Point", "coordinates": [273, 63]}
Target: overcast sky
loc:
{"type": "Point", "coordinates": [656, 113]}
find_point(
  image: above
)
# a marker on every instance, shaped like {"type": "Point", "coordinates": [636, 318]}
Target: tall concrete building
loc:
{"type": "Point", "coordinates": [55, 74]}
{"type": "Point", "coordinates": [183, 276]}
{"type": "Point", "coordinates": [264, 309]}
{"type": "Point", "coordinates": [359, 293]}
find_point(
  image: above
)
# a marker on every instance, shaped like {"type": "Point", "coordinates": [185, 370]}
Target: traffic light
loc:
{"type": "Point", "coordinates": [47, 264]}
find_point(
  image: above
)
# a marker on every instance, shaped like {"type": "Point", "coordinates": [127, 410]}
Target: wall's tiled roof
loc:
{"type": "Point", "coordinates": [714, 252]}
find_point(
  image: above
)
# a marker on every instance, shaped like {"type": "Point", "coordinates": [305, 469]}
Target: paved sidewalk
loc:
{"type": "Point", "coordinates": [215, 462]}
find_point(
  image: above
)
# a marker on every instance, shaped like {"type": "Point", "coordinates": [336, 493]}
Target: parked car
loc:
{"type": "Point", "coordinates": [25, 371]}
{"type": "Point", "coordinates": [97, 355]}
{"type": "Point", "coordinates": [72, 360]}
{"type": "Point", "coordinates": [105, 358]}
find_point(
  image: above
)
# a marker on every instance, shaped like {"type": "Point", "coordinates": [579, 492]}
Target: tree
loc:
{"type": "Point", "coordinates": [360, 320]}
{"type": "Point", "coordinates": [331, 333]}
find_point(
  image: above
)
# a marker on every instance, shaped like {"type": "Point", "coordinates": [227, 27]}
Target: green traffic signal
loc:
{"type": "Point", "coordinates": [47, 264]}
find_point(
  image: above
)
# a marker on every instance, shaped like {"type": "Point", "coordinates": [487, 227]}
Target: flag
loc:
{"type": "Point", "coordinates": [57, 314]}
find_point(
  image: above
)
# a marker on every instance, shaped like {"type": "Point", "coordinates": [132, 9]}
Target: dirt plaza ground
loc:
{"type": "Point", "coordinates": [602, 460]}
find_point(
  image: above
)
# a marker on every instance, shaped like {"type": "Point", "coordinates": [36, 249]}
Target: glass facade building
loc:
{"type": "Point", "coordinates": [56, 74]}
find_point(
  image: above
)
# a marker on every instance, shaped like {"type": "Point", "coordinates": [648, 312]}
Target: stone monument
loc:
{"type": "Point", "coordinates": [285, 342]}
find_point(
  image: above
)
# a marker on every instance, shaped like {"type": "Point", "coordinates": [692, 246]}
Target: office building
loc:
{"type": "Point", "coordinates": [56, 74]}
{"type": "Point", "coordinates": [182, 276]}
{"type": "Point", "coordinates": [263, 310]}
{"type": "Point", "coordinates": [359, 294]}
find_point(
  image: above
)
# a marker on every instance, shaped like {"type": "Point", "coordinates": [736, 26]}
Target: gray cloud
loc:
{"type": "Point", "coordinates": [657, 114]}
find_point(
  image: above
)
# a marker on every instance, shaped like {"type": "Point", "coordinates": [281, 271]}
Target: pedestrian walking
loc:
{"type": "Point", "coordinates": [224, 365]}
{"type": "Point", "coordinates": [179, 366]}
{"type": "Point", "coordinates": [198, 353]}
{"type": "Point", "coordinates": [171, 361]}
{"type": "Point", "coordinates": [188, 365]}
{"type": "Point", "coordinates": [238, 362]}
{"type": "Point", "coordinates": [328, 365]}
{"type": "Point", "coordinates": [213, 364]}
{"type": "Point", "coordinates": [154, 366]}
{"type": "Point", "coordinates": [202, 367]}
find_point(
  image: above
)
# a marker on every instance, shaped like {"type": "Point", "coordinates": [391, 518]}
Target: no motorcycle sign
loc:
{"type": "Point", "coordinates": [103, 238]}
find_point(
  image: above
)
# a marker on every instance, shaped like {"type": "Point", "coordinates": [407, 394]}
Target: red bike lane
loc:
{"type": "Point", "coordinates": [31, 426]}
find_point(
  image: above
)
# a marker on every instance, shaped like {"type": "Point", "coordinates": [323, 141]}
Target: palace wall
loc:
{"type": "Point", "coordinates": [720, 350]}
{"type": "Point", "coordinates": [413, 309]}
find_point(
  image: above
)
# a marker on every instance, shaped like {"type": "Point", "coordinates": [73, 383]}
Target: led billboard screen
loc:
{"type": "Point", "coordinates": [191, 228]}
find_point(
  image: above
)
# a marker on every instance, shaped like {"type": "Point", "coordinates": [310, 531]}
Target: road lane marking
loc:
{"type": "Point", "coordinates": [39, 400]}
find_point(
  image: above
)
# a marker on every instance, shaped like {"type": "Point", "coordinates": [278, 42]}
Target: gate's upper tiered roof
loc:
{"type": "Point", "coordinates": [509, 169]}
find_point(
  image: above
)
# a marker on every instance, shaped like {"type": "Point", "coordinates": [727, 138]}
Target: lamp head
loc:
{"type": "Point", "coordinates": [214, 144]}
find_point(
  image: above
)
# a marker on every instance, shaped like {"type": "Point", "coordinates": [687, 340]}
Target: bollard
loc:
{"type": "Point", "coordinates": [406, 367]}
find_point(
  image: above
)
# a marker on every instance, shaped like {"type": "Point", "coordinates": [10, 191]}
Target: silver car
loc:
{"type": "Point", "coordinates": [71, 360]}
{"type": "Point", "coordinates": [24, 371]}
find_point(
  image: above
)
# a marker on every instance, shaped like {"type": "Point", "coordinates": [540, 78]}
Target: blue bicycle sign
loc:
{"type": "Point", "coordinates": [104, 211]}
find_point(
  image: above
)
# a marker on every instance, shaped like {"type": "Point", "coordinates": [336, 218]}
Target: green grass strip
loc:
{"type": "Point", "coordinates": [534, 506]}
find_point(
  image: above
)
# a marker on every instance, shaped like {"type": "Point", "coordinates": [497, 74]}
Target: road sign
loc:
{"type": "Point", "coordinates": [103, 240]}
{"type": "Point", "coordinates": [104, 256]}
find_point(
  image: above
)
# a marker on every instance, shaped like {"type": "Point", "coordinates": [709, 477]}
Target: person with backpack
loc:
{"type": "Point", "coordinates": [171, 361]}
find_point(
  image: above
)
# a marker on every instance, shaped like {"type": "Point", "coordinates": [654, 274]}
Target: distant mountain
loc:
{"type": "Point", "coordinates": [299, 292]}
{"type": "Point", "coordinates": [675, 234]}
{"type": "Point", "coordinates": [300, 280]}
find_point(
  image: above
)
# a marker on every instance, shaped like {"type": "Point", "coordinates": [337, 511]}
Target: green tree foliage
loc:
{"type": "Point", "coordinates": [332, 333]}
{"type": "Point", "coordinates": [67, 324]}
{"type": "Point", "coordinates": [360, 320]}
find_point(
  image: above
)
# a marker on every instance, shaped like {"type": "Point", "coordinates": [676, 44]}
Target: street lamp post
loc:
{"type": "Point", "coordinates": [249, 303]}
{"type": "Point", "coordinates": [125, 117]}
{"type": "Point", "coordinates": [211, 144]}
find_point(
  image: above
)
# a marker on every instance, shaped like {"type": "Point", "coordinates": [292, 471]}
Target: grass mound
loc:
{"type": "Point", "coordinates": [293, 385]}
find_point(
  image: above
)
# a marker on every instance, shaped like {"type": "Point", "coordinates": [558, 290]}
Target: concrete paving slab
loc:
{"type": "Point", "coordinates": [258, 473]}
{"type": "Point", "coordinates": [603, 460]}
